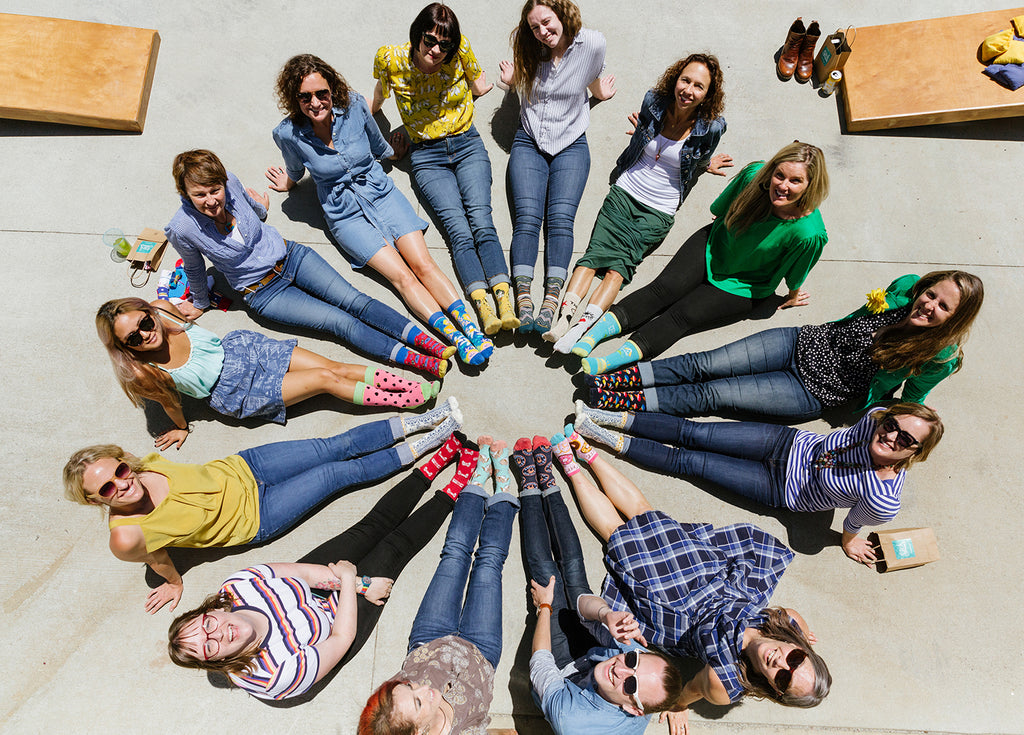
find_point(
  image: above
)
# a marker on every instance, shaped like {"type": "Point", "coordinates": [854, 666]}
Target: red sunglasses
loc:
{"type": "Point", "coordinates": [122, 472]}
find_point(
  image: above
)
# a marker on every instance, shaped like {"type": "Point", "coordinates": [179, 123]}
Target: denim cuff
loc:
{"type": "Point", "coordinates": [530, 492]}
{"type": "Point", "coordinates": [475, 490]}
{"type": "Point", "coordinates": [502, 498]}
{"type": "Point", "coordinates": [522, 269]}
{"type": "Point", "coordinates": [395, 424]}
{"type": "Point", "coordinates": [405, 455]}
{"type": "Point", "coordinates": [646, 370]}
{"type": "Point", "coordinates": [557, 271]}
{"type": "Point", "coordinates": [651, 398]}
{"type": "Point", "coordinates": [498, 280]}
{"type": "Point", "coordinates": [549, 492]}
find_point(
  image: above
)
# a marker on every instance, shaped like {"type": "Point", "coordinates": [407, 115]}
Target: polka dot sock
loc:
{"type": "Point", "coordinates": [522, 458]}
{"type": "Point", "coordinates": [367, 395]}
{"type": "Point", "coordinates": [384, 380]}
{"type": "Point", "coordinates": [560, 446]}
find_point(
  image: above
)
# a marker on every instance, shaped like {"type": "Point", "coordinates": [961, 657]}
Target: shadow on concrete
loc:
{"type": "Point", "coordinates": [30, 129]}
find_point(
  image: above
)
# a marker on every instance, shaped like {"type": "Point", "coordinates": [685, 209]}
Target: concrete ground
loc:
{"type": "Point", "coordinates": [930, 649]}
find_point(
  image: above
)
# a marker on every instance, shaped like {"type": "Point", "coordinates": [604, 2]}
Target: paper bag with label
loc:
{"type": "Point", "coordinates": [903, 548]}
{"type": "Point", "coordinates": [145, 255]}
{"type": "Point", "coordinates": [833, 53]}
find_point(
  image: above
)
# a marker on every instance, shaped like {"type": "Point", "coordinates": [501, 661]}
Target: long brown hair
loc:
{"type": "Point", "coordinates": [138, 379]}
{"type": "Point", "coordinates": [911, 349]}
{"type": "Point", "coordinates": [290, 79]}
{"type": "Point", "coordinates": [240, 663]}
{"type": "Point", "coordinates": [714, 101]}
{"type": "Point", "coordinates": [753, 205]}
{"type": "Point", "coordinates": [778, 626]}
{"type": "Point", "coordinates": [528, 52]}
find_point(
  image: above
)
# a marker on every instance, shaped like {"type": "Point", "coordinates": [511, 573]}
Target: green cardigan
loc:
{"type": "Point", "coordinates": [897, 295]}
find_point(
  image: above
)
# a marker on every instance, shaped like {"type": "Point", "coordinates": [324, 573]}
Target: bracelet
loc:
{"type": "Point", "coordinates": [364, 585]}
{"type": "Point", "coordinates": [544, 605]}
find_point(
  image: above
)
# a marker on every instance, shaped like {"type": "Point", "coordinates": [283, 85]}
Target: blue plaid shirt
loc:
{"type": "Point", "coordinates": [693, 588]}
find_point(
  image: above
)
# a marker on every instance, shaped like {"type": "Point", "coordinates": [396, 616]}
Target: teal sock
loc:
{"type": "Point", "coordinates": [483, 467]}
{"type": "Point", "coordinates": [607, 326]}
{"type": "Point", "coordinates": [625, 355]}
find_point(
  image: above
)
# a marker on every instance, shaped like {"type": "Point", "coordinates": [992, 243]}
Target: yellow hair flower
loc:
{"type": "Point", "coordinates": [876, 301]}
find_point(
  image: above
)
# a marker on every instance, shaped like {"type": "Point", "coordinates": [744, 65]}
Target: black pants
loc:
{"type": "Point", "coordinates": [383, 542]}
{"type": "Point", "coordinates": [679, 301]}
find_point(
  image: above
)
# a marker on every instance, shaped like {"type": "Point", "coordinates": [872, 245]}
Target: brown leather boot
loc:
{"type": "Point", "coordinates": [805, 67]}
{"type": "Point", "coordinates": [790, 55]}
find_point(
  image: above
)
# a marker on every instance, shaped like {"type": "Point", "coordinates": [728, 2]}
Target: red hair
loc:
{"type": "Point", "coordinates": [377, 716]}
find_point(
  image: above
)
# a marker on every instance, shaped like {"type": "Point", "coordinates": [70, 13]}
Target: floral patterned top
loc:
{"type": "Point", "coordinates": [456, 668]}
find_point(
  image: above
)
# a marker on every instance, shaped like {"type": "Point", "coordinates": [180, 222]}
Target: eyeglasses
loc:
{"type": "Point", "coordinates": [324, 95]}
{"type": "Point", "coordinates": [784, 677]}
{"type": "Point", "coordinates": [211, 647]}
{"type": "Point", "coordinates": [122, 472]}
{"type": "Point", "coordinates": [904, 440]}
{"type": "Point", "coordinates": [146, 324]}
{"type": "Point", "coordinates": [430, 40]}
{"type": "Point", "coordinates": [631, 685]}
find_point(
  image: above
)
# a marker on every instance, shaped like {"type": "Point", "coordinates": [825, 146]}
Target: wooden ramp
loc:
{"type": "Point", "coordinates": [69, 71]}
{"type": "Point", "coordinates": [925, 72]}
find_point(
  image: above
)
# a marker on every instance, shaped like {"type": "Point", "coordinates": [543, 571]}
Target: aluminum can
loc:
{"type": "Point", "coordinates": [832, 82]}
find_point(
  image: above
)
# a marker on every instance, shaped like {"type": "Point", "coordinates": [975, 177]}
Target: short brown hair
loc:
{"type": "Point", "coordinates": [201, 167]}
{"type": "Point", "coordinates": [290, 79]}
{"type": "Point", "coordinates": [237, 664]}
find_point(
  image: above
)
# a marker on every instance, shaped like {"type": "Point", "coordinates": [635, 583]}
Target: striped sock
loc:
{"type": "Point", "coordinates": [548, 307]}
{"type": "Point", "coordinates": [524, 302]}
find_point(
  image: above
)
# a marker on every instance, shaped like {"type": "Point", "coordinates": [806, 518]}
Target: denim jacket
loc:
{"type": "Point", "coordinates": [697, 150]}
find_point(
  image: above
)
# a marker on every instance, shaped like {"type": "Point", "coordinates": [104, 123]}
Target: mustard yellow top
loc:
{"type": "Point", "coordinates": [435, 105]}
{"type": "Point", "coordinates": [212, 504]}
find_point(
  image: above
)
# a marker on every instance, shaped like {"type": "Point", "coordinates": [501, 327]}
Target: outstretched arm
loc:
{"type": "Point", "coordinates": [128, 544]}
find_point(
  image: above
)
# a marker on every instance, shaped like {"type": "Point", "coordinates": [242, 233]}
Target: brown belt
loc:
{"type": "Point", "coordinates": [271, 275]}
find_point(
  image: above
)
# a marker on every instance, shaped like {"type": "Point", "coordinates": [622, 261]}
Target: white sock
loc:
{"type": "Point", "coordinates": [590, 316]}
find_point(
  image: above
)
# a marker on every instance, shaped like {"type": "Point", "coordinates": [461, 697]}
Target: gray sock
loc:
{"type": "Point", "coordinates": [437, 436]}
{"type": "Point", "coordinates": [586, 427]}
{"type": "Point", "coordinates": [616, 419]}
{"type": "Point", "coordinates": [414, 423]}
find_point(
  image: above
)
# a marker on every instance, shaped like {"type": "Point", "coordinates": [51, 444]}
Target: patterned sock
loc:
{"type": "Point", "coordinates": [630, 400]}
{"type": "Point", "coordinates": [425, 343]}
{"type": "Point", "coordinates": [505, 312]}
{"type": "Point", "coordinates": [590, 315]}
{"type": "Point", "coordinates": [467, 463]}
{"type": "Point", "coordinates": [490, 323]}
{"type": "Point", "coordinates": [367, 395]}
{"type": "Point", "coordinates": [577, 442]}
{"type": "Point", "coordinates": [428, 441]}
{"type": "Point", "coordinates": [458, 311]}
{"type": "Point", "coordinates": [629, 352]}
{"type": "Point", "coordinates": [617, 419]}
{"type": "Point", "coordinates": [442, 457]}
{"type": "Point", "coordinates": [483, 466]}
{"type": "Point", "coordinates": [586, 427]}
{"type": "Point", "coordinates": [626, 379]}
{"type": "Point", "coordinates": [385, 380]}
{"type": "Point", "coordinates": [434, 417]}
{"type": "Point", "coordinates": [432, 365]}
{"type": "Point", "coordinates": [566, 312]}
{"type": "Point", "coordinates": [522, 458]}
{"type": "Point", "coordinates": [524, 302]}
{"type": "Point", "coordinates": [548, 307]}
{"type": "Point", "coordinates": [605, 327]}
{"type": "Point", "coordinates": [560, 446]}
{"type": "Point", "coordinates": [467, 352]}
{"type": "Point", "coordinates": [502, 473]}
{"type": "Point", "coordinates": [542, 461]}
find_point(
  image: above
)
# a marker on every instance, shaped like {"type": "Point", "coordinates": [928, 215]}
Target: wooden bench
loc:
{"type": "Point", "coordinates": [69, 71]}
{"type": "Point", "coordinates": [925, 72]}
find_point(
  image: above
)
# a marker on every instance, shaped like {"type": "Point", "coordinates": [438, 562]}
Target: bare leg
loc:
{"type": "Point", "coordinates": [414, 250]}
{"type": "Point", "coordinates": [609, 289]}
{"type": "Point", "coordinates": [310, 374]}
{"type": "Point", "coordinates": [581, 280]}
{"type": "Point", "coordinates": [389, 263]}
{"type": "Point", "coordinates": [598, 511]}
{"type": "Point", "coordinates": [621, 492]}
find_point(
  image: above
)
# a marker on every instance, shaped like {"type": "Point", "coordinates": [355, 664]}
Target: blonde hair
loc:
{"type": "Point", "coordinates": [528, 52]}
{"type": "Point", "coordinates": [925, 444]}
{"type": "Point", "coordinates": [74, 469]}
{"type": "Point", "coordinates": [753, 205]}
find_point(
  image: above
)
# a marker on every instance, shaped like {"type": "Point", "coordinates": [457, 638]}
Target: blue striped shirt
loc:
{"type": "Point", "coordinates": [850, 483]}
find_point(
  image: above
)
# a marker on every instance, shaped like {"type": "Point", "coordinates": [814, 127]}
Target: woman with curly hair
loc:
{"type": "Point", "coordinates": [555, 69]}
{"type": "Point", "coordinates": [329, 132]}
{"type": "Point", "coordinates": [674, 138]}
{"type": "Point", "coordinates": [768, 229]}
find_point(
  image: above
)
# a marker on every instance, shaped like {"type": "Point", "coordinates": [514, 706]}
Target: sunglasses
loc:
{"type": "Point", "coordinates": [904, 440]}
{"type": "Point", "coordinates": [430, 40]}
{"type": "Point", "coordinates": [631, 685]}
{"type": "Point", "coordinates": [146, 324]}
{"type": "Point", "coordinates": [121, 473]}
{"type": "Point", "coordinates": [784, 677]}
{"type": "Point", "coordinates": [324, 95]}
{"type": "Point", "coordinates": [211, 647]}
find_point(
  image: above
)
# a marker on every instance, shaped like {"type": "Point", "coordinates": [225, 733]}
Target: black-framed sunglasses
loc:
{"type": "Point", "coordinates": [146, 324]}
{"type": "Point", "coordinates": [631, 685]}
{"type": "Point", "coordinates": [904, 439]}
{"type": "Point", "coordinates": [430, 40]}
{"type": "Point", "coordinates": [122, 472]}
{"type": "Point", "coordinates": [784, 677]}
{"type": "Point", "coordinates": [324, 95]}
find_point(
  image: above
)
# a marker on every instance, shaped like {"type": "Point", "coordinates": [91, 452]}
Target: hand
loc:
{"type": "Point", "coordinates": [542, 595]}
{"type": "Point", "coordinates": [860, 550]}
{"type": "Point", "coordinates": [800, 298]}
{"type": "Point", "coordinates": [163, 594]}
{"type": "Point", "coordinates": [189, 311]}
{"type": "Point", "coordinates": [718, 162]}
{"type": "Point", "coordinates": [343, 570]}
{"type": "Point", "coordinates": [605, 88]}
{"type": "Point", "coordinates": [479, 86]}
{"type": "Point", "coordinates": [623, 627]}
{"type": "Point", "coordinates": [380, 590]}
{"type": "Point", "coordinates": [678, 722]}
{"type": "Point", "coordinates": [279, 179]}
{"type": "Point", "coordinates": [173, 437]}
{"type": "Point", "coordinates": [399, 143]}
{"type": "Point", "coordinates": [505, 70]}
{"type": "Point", "coordinates": [263, 198]}
{"type": "Point", "coordinates": [634, 120]}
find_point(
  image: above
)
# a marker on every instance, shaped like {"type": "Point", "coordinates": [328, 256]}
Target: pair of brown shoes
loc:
{"type": "Point", "coordinates": [798, 51]}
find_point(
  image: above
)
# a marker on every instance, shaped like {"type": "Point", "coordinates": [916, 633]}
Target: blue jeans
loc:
{"type": "Point", "coordinates": [755, 375]}
{"type": "Point", "coordinates": [294, 477]}
{"type": "Point", "coordinates": [744, 457]}
{"type": "Point", "coordinates": [442, 611]}
{"type": "Point", "coordinates": [310, 293]}
{"type": "Point", "coordinates": [545, 186]}
{"type": "Point", "coordinates": [548, 532]}
{"type": "Point", "coordinates": [454, 176]}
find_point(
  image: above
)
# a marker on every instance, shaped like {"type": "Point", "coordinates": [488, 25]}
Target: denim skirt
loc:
{"type": "Point", "coordinates": [253, 374]}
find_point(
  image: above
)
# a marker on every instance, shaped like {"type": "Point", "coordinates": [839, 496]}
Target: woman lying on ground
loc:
{"type": "Point", "coordinates": [159, 355]}
{"type": "Point", "coordinates": [447, 680]}
{"type": "Point", "coordinates": [274, 636]}
{"type": "Point", "coordinates": [910, 334]}
{"type": "Point", "coordinates": [719, 581]}
{"type": "Point", "coordinates": [434, 78]}
{"type": "Point", "coordinates": [675, 134]}
{"type": "Point", "coordinates": [330, 133]}
{"type": "Point", "coordinates": [861, 468]}
{"type": "Point", "coordinates": [245, 499]}
{"type": "Point", "coordinates": [555, 69]}
{"type": "Point", "coordinates": [281, 280]}
{"type": "Point", "coordinates": [768, 229]}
